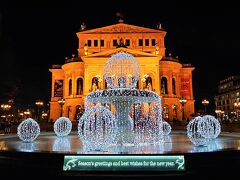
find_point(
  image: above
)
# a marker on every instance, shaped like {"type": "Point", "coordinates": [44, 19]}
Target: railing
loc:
{"type": "Point", "coordinates": [56, 66]}
{"type": "Point", "coordinates": [170, 59]}
{"type": "Point", "coordinates": [187, 65]}
{"type": "Point", "coordinates": [73, 60]}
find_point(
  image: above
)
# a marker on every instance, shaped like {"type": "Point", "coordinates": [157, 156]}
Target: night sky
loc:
{"type": "Point", "coordinates": [33, 37]}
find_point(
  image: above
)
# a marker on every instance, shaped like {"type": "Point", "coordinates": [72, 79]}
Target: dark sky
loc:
{"type": "Point", "coordinates": [35, 36]}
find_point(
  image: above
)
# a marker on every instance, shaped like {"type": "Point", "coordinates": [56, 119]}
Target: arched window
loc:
{"type": "Point", "coordinates": [165, 112]}
{"type": "Point", "coordinates": [70, 87]}
{"type": "Point", "coordinates": [79, 86]}
{"type": "Point", "coordinates": [173, 86]}
{"type": "Point", "coordinates": [164, 86]}
{"type": "Point", "coordinates": [94, 86]}
{"type": "Point", "coordinates": [149, 83]}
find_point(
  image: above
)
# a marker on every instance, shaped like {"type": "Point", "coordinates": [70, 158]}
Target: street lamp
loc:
{"type": "Point", "coordinates": [237, 105]}
{"type": "Point", "coordinates": [205, 102]}
{"type": "Point", "coordinates": [61, 102]}
{"type": "Point", "coordinates": [5, 108]}
{"type": "Point", "coordinates": [218, 112]}
{"type": "Point", "coordinates": [27, 113]}
{"type": "Point", "coordinates": [183, 101]}
{"type": "Point", "coordinates": [38, 104]}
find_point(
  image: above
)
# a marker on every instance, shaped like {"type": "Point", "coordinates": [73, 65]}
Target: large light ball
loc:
{"type": "Point", "coordinates": [195, 131]}
{"type": "Point", "coordinates": [97, 128]}
{"type": "Point", "coordinates": [28, 130]}
{"type": "Point", "coordinates": [62, 126]}
{"type": "Point", "coordinates": [121, 71]}
{"type": "Point", "coordinates": [214, 127]}
{"type": "Point", "coordinates": [166, 128]}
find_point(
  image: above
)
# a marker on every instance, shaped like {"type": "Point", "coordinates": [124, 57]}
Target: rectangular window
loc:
{"type": "Point", "coordinates": [95, 43]}
{"type": "Point", "coordinates": [102, 43]}
{"type": "Point", "coordinates": [153, 42]}
{"type": "Point", "coordinates": [89, 43]}
{"type": "Point", "coordinates": [127, 42]}
{"type": "Point", "coordinates": [146, 42]}
{"type": "Point", "coordinates": [114, 42]}
{"type": "Point", "coordinates": [140, 42]}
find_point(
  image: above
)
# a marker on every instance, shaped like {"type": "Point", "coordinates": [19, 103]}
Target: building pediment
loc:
{"type": "Point", "coordinates": [121, 28]}
{"type": "Point", "coordinates": [109, 53]}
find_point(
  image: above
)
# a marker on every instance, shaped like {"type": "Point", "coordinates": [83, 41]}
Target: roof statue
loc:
{"type": "Point", "coordinates": [120, 15]}
{"type": "Point", "coordinates": [121, 43]}
{"type": "Point", "coordinates": [83, 27]}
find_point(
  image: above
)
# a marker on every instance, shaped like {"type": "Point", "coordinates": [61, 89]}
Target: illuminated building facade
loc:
{"type": "Point", "coordinates": [84, 73]}
{"type": "Point", "coordinates": [227, 100]}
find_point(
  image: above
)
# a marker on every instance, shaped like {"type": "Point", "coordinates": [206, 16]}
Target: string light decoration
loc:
{"type": "Point", "coordinates": [166, 128]}
{"type": "Point", "coordinates": [61, 144]}
{"type": "Point", "coordinates": [62, 126]}
{"type": "Point", "coordinates": [214, 127]}
{"type": "Point", "coordinates": [97, 128]}
{"type": "Point", "coordinates": [196, 130]}
{"type": "Point", "coordinates": [147, 123]}
{"type": "Point", "coordinates": [121, 71]}
{"type": "Point", "coordinates": [28, 130]}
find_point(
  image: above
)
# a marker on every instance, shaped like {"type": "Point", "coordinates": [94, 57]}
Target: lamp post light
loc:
{"type": "Point", "coordinates": [237, 106]}
{"type": "Point", "coordinates": [39, 104]}
{"type": "Point", "coordinates": [183, 101]}
{"type": "Point", "coordinates": [61, 102]}
{"type": "Point", "coordinates": [5, 108]}
{"type": "Point", "coordinates": [218, 112]}
{"type": "Point", "coordinates": [205, 102]}
{"type": "Point", "coordinates": [27, 113]}
{"type": "Point", "coordinates": [21, 114]}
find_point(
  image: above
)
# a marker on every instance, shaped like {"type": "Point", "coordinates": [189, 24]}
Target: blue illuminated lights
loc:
{"type": "Point", "coordinates": [166, 128]}
{"type": "Point", "coordinates": [97, 128]}
{"type": "Point", "coordinates": [201, 130]}
{"type": "Point", "coordinates": [137, 112]}
{"type": "Point", "coordinates": [121, 71]}
{"type": "Point", "coordinates": [28, 130]}
{"type": "Point", "coordinates": [62, 126]}
{"type": "Point", "coordinates": [214, 127]}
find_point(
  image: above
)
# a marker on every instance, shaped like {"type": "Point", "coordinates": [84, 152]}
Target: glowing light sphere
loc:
{"type": "Point", "coordinates": [97, 128]}
{"type": "Point", "coordinates": [62, 126]}
{"type": "Point", "coordinates": [28, 130]}
{"type": "Point", "coordinates": [166, 128]}
{"type": "Point", "coordinates": [213, 127]}
{"type": "Point", "coordinates": [121, 71]}
{"type": "Point", "coordinates": [195, 131]}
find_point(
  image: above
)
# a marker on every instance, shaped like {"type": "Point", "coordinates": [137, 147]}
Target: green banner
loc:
{"type": "Point", "coordinates": [124, 163]}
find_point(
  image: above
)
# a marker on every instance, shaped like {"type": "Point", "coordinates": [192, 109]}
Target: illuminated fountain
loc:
{"type": "Point", "coordinates": [137, 112]}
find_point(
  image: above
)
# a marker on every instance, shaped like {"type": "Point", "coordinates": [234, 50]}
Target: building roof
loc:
{"type": "Point", "coordinates": [121, 28]}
